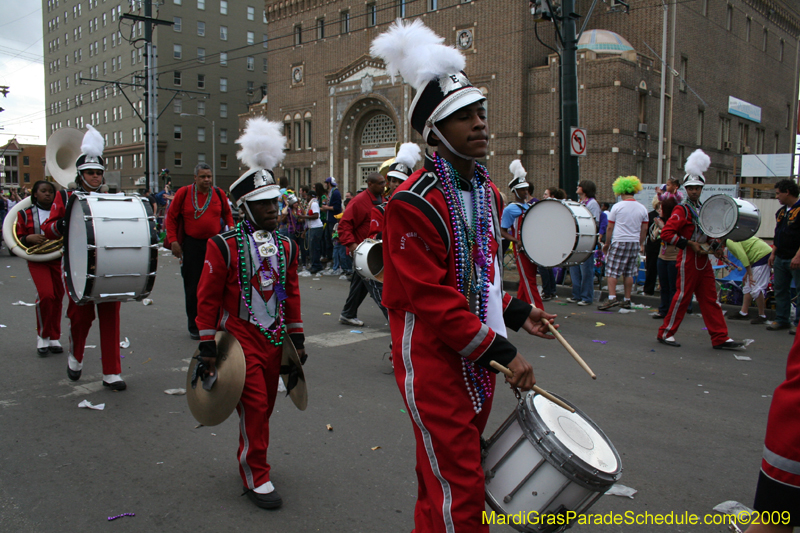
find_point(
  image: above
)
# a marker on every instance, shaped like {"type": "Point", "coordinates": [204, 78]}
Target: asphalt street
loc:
{"type": "Point", "coordinates": [687, 422]}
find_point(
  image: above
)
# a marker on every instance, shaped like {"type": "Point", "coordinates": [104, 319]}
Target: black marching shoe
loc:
{"type": "Point", "coordinates": [116, 386]}
{"type": "Point", "coordinates": [669, 343]}
{"type": "Point", "coordinates": [42, 351]}
{"type": "Point", "coordinates": [729, 345]}
{"type": "Point", "coordinates": [271, 500]}
{"type": "Point", "coordinates": [56, 349]}
{"type": "Point", "coordinates": [73, 375]}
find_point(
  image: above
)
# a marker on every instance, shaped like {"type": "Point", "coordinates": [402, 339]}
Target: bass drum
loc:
{"type": "Point", "coordinates": [545, 460]}
{"type": "Point", "coordinates": [558, 233]}
{"type": "Point", "coordinates": [726, 217]}
{"type": "Point", "coordinates": [110, 249]}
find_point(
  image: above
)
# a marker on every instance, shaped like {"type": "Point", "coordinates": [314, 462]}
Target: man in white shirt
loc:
{"type": "Point", "coordinates": [314, 227]}
{"type": "Point", "coordinates": [627, 229]}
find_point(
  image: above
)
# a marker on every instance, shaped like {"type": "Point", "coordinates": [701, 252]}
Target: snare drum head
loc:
{"type": "Point", "coordinates": [578, 435]}
{"type": "Point", "coordinates": [719, 215]}
{"type": "Point", "coordinates": [76, 247]}
{"type": "Point", "coordinates": [548, 233]}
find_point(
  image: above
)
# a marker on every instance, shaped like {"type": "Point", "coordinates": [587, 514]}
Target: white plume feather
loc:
{"type": "Point", "coordinates": [408, 154]}
{"type": "Point", "coordinates": [262, 144]}
{"type": "Point", "coordinates": [416, 53]}
{"type": "Point", "coordinates": [93, 143]}
{"type": "Point", "coordinates": [517, 169]}
{"type": "Point", "coordinates": [697, 163]}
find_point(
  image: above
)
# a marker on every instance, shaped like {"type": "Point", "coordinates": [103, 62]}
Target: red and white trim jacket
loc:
{"type": "Point", "coordinates": [354, 225]}
{"type": "Point", "coordinates": [219, 298]}
{"type": "Point", "coordinates": [376, 222]}
{"type": "Point", "coordinates": [57, 211]}
{"type": "Point", "coordinates": [28, 224]}
{"type": "Point", "coordinates": [420, 277]}
{"type": "Point", "coordinates": [680, 227]}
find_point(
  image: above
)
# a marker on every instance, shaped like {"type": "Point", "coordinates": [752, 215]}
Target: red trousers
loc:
{"type": "Point", "coordinates": [80, 322]}
{"type": "Point", "coordinates": [528, 290]}
{"type": "Point", "coordinates": [450, 495]}
{"type": "Point", "coordinates": [695, 277]}
{"type": "Point", "coordinates": [49, 295]}
{"type": "Point", "coordinates": [262, 363]}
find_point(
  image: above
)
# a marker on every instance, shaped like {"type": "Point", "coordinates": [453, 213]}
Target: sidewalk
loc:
{"type": "Point", "coordinates": [511, 284]}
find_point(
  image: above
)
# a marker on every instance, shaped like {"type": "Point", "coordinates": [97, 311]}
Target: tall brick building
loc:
{"type": "Point", "coordinates": [343, 115]}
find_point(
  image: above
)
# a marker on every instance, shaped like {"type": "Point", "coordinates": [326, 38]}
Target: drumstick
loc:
{"type": "Point", "coordinates": [537, 389]}
{"type": "Point", "coordinates": [569, 348]}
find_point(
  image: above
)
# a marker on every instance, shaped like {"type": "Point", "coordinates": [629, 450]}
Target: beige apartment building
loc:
{"type": "Point", "coordinates": [211, 65]}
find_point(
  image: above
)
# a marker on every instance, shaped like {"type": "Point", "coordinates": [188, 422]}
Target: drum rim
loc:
{"type": "Point", "coordinates": [91, 263]}
{"type": "Point", "coordinates": [578, 234]}
{"type": "Point", "coordinates": [558, 454]}
{"type": "Point", "coordinates": [154, 243]}
{"type": "Point", "coordinates": [359, 270]}
{"type": "Point", "coordinates": [738, 202]}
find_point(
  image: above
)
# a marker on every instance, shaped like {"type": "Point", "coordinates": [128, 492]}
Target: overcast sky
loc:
{"type": "Point", "coordinates": [22, 71]}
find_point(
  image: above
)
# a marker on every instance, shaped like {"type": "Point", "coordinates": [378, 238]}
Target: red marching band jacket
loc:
{"type": "Point", "coordinates": [220, 298]}
{"type": "Point", "coordinates": [28, 224]}
{"type": "Point", "coordinates": [680, 228]}
{"type": "Point", "coordinates": [57, 211]}
{"type": "Point", "coordinates": [376, 222]}
{"type": "Point", "coordinates": [419, 261]}
{"type": "Point", "coordinates": [354, 225]}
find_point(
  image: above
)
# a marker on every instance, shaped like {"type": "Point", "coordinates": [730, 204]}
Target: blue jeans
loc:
{"type": "Point", "coordinates": [783, 282]}
{"type": "Point", "coordinates": [583, 280]}
{"type": "Point", "coordinates": [339, 256]}
{"type": "Point", "coordinates": [548, 281]}
{"type": "Point", "coordinates": [668, 278]}
{"type": "Point", "coordinates": [315, 248]}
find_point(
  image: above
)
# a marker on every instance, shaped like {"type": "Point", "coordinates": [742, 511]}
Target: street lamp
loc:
{"type": "Point", "coordinates": [213, 146]}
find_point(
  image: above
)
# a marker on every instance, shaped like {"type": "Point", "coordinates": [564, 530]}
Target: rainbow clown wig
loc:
{"type": "Point", "coordinates": [626, 185]}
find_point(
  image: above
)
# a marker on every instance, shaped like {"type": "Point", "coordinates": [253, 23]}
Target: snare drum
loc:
{"type": "Point", "coordinates": [546, 460]}
{"type": "Point", "coordinates": [558, 233]}
{"type": "Point", "coordinates": [722, 216]}
{"type": "Point", "coordinates": [110, 249]}
{"type": "Point", "coordinates": [368, 259]}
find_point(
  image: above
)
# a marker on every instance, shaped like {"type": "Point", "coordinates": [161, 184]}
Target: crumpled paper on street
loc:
{"type": "Point", "coordinates": [625, 311]}
{"type": "Point", "coordinates": [175, 392]}
{"type": "Point", "coordinates": [23, 303]}
{"type": "Point", "coordinates": [86, 404]}
{"type": "Point", "coordinates": [621, 490]}
{"type": "Point", "coordinates": [742, 357]}
{"type": "Point", "coordinates": [281, 386]}
{"type": "Point", "coordinates": [125, 344]}
{"type": "Point", "coordinates": [732, 507]}
{"type": "Point", "coordinates": [304, 274]}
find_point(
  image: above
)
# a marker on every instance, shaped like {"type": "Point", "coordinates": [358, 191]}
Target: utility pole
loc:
{"type": "Point", "coordinates": [150, 93]}
{"type": "Point", "coordinates": [565, 21]}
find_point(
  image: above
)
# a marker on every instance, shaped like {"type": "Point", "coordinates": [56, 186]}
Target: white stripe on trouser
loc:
{"type": "Point", "coordinates": [426, 436]}
{"type": "Point", "coordinates": [680, 297]}
{"type": "Point", "coordinates": [524, 276]}
{"type": "Point", "coordinates": [248, 474]}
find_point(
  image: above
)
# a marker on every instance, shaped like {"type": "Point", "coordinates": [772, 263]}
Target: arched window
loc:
{"type": "Point", "coordinates": [379, 130]}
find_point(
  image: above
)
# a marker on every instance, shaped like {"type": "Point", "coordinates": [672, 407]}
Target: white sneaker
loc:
{"type": "Point", "coordinates": [572, 300]}
{"type": "Point", "coordinates": [350, 321]}
{"type": "Point", "coordinates": [582, 303]}
{"type": "Point", "coordinates": [337, 272]}
{"type": "Point", "coordinates": [327, 272]}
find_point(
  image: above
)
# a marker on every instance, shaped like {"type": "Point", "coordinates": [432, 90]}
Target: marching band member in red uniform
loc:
{"type": "Point", "coordinates": [90, 166]}
{"type": "Point", "coordinates": [695, 273]}
{"type": "Point", "coordinates": [249, 288]}
{"type": "Point", "coordinates": [511, 229]}
{"type": "Point", "coordinates": [407, 157]}
{"type": "Point", "coordinates": [778, 487]}
{"type": "Point", "coordinates": [46, 275]}
{"type": "Point", "coordinates": [447, 310]}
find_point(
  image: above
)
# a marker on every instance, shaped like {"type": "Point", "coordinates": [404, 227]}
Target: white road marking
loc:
{"type": "Point", "coordinates": [341, 338]}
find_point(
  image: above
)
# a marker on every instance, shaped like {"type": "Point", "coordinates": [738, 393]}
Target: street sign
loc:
{"type": "Point", "coordinates": [577, 142]}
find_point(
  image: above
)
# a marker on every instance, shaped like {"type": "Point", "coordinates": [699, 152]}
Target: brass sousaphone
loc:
{"type": "Point", "coordinates": [63, 149]}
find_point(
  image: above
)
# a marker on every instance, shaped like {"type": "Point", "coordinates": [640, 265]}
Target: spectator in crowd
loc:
{"type": "Point", "coordinates": [605, 207]}
{"type": "Point", "coordinates": [652, 248]}
{"type": "Point", "coordinates": [548, 278]}
{"type": "Point", "coordinates": [583, 275]}
{"type": "Point", "coordinates": [314, 230]}
{"type": "Point", "coordinates": [667, 257]}
{"type": "Point", "coordinates": [754, 255]}
{"type": "Point", "coordinates": [332, 208]}
{"type": "Point", "coordinates": [785, 257]}
{"type": "Point", "coordinates": [671, 189]}
{"type": "Point", "coordinates": [627, 228]}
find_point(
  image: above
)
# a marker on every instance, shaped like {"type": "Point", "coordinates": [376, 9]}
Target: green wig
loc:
{"type": "Point", "coordinates": [626, 185]}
